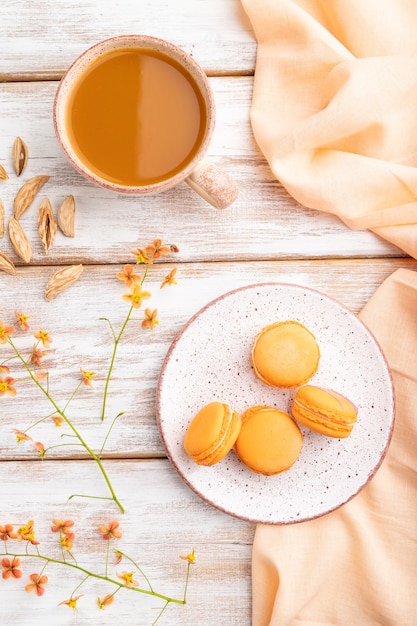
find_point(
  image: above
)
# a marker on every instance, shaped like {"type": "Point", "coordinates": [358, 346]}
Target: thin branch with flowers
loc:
{"type": "Point", "coordinates": [144, 256]}
{"type": "Point", "coordinates": [110, 532]}
{"type": "Point", "coordinates": [34, 362]}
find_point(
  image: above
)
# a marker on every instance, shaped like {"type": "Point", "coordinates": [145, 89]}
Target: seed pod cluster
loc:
{"type": "Point", "coordinates": [47, 224]}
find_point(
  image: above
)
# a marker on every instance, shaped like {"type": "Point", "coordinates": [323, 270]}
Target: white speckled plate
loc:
{"type": "Point", "coordinates": [210, 360]}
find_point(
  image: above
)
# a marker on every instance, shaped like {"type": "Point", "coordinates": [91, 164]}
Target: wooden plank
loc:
{"type": "Point", "coordinates": [216, 33]}
{"type": "Point", "coordinates": [108, 224]}
{"type": "Point", "coordinates": [265, 236]}
{"type": "Point", "coordinates": [158, 504]}
{"type": "Point", "coordinates": [80, 340]}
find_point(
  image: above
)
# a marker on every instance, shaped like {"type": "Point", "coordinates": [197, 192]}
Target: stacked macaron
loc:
{"type": "Point", "coordinates": [267, 440]}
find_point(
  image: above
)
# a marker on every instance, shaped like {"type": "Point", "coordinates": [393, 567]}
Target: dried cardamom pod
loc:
{"type": "Point", "coordinates": [1, 219]}
{"type": "Point", "coordinates": [19, 240]}
{"type": "Point", "coordinates": [62, 279]}
{"type": "Point", "coordinates": [20, 155]}
{"type": "Point", "coordinates": [46, 225]}
{"type": "Point", "coordinates": [65, 216]}
{"type": "Point", "coordinates": [6, 264]}
{"type": "Point", "coordinates": [27, 193]}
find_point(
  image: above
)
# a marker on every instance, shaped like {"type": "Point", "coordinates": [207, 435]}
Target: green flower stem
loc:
{"type": "Point", "coordinates": [43, 568]}
{"type": "Point", "coordinates": [138, 568]}
{"type": "Point", "coordinates": [39, 421]}
{"type": "Point", "coordinates": [117, 339]}
{"type": "Point", "coordinates": [92, 454]}
{"type": "Point", "coordinates": [83, 495]}
{"type": "Point", "coordinates": [62, 445]}
{"type": "Point", "coordinates": [187, 578]}
{"type": "Point", "coordinates": [160, 614]}
{"type": "Point", "coordinates": [79, 585]}
{"type": "Point", "coordinates": [107, 556]}
{"type": "Point", "coordinates": [109, 431]}
{"type": "Point", "coordinates": [72, 396]}
{"type": "Point", "coordinates": [113, 357]}
{"type": "Point", "coordinates": [90, 574]}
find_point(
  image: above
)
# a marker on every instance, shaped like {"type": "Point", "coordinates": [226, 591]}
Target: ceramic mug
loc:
{"type": "Point", "coordinates": [136, 114]}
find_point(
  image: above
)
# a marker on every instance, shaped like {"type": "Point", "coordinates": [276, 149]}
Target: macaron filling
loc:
{"type": "Point", "coordinates": [217, 445]}
{"type": "Point", "coordinates": [324, 411]}
{"type": "Point", "coordinates": [212, 433]}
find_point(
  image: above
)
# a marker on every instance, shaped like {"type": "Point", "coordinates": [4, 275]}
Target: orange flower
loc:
{"type": "Point", "coordinates": [71, 602]}
{"type": "Point", "coordinates": [6, 386]}
{"type": "Point", "coordinates": [20, 436]}
{"type": "Point", "coordinates": [152, 252]}
{"type": "Point", "coordinates": [102, 603]}
{"type": "Point", "coordinates": [5, 331]}
{"type": "Point", "coordinates": [40, 448]}
{"type": "Point", "coordinates": [119, 556]}
{"type": "Point", "coordinates": [37, 584]}
{"type": "Point", "coordinates": [136, 296]}
{"type": "Point", "coordinates": [156, 249]}
{"type": "Point", "coordinates": [127, 577]}
{"type": "Point", "coordinates": [189, 557]}
{"type": "Point", "coordinates": [27, 533]}
{"type": "Point", "coordinates": [58, 420]}
{"type": "Point", "coordinates": [44, 337]}
{"type": "Point", "coordinates": [41, 374]}
{"type": "Point", "coordinates": [22, 320]}
{"type": "Point", "coordinates": [141, 257]}
{"type": "Point", "coordinates": [169, 278]}
{"type": "Point", "coordinates": [150, 319]}
{"type": "Point", "coordinates": [5, 369]}
{"type": "Point", "coordinates": [67, 541]}
{"type": "Point", "coordinates": [10, 568]}
{"type": "Point", "coordinates": [87, 377]}
{"type": "Point", "coordinates": [110, 531]}
{"type": "Point", "coordinates": [36, 356]}
{"type": "Point", "coordinates": [6, 532]}
{"type": "Point", "coordinates": [128, 275]}
{"type": "Point", "coordinates": [62, 526]}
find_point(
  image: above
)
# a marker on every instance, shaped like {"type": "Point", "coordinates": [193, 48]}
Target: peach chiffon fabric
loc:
{"type": "Point", "coordinates": [357, 565]}
{"type": "Point", "coordinates": [335, 108]}
{"type": "Point", "coordinates": [335, 113]}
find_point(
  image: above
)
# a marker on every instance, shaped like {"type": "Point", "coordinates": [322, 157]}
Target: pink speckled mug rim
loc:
{"type": "Point", "coordinates": [85, 59]}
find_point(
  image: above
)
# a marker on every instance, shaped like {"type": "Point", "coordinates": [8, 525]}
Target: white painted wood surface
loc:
{"type": "Point", "coordinates": [44, 37]}
{"type": "Point", "coordinates": [264, 236]}
{"type": "Point", "coordinates": [107, 225]}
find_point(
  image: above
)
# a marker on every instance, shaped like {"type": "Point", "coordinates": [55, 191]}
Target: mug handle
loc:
{"type": "Point", "coordinates": [213, 184]}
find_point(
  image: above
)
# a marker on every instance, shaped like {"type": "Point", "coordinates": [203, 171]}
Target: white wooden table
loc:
{"type": "Point", "coordinates": [264, 236]}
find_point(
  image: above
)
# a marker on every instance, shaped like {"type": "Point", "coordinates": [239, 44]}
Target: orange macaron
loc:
{"type": "Point", "coordinates": [269, 441]}
{"type": "Point", "coordinates": [324, 411]}
{"type": "Point", "coordinates": [212, 433]}
{"type": "Point", "coordinates": [285, 354]}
